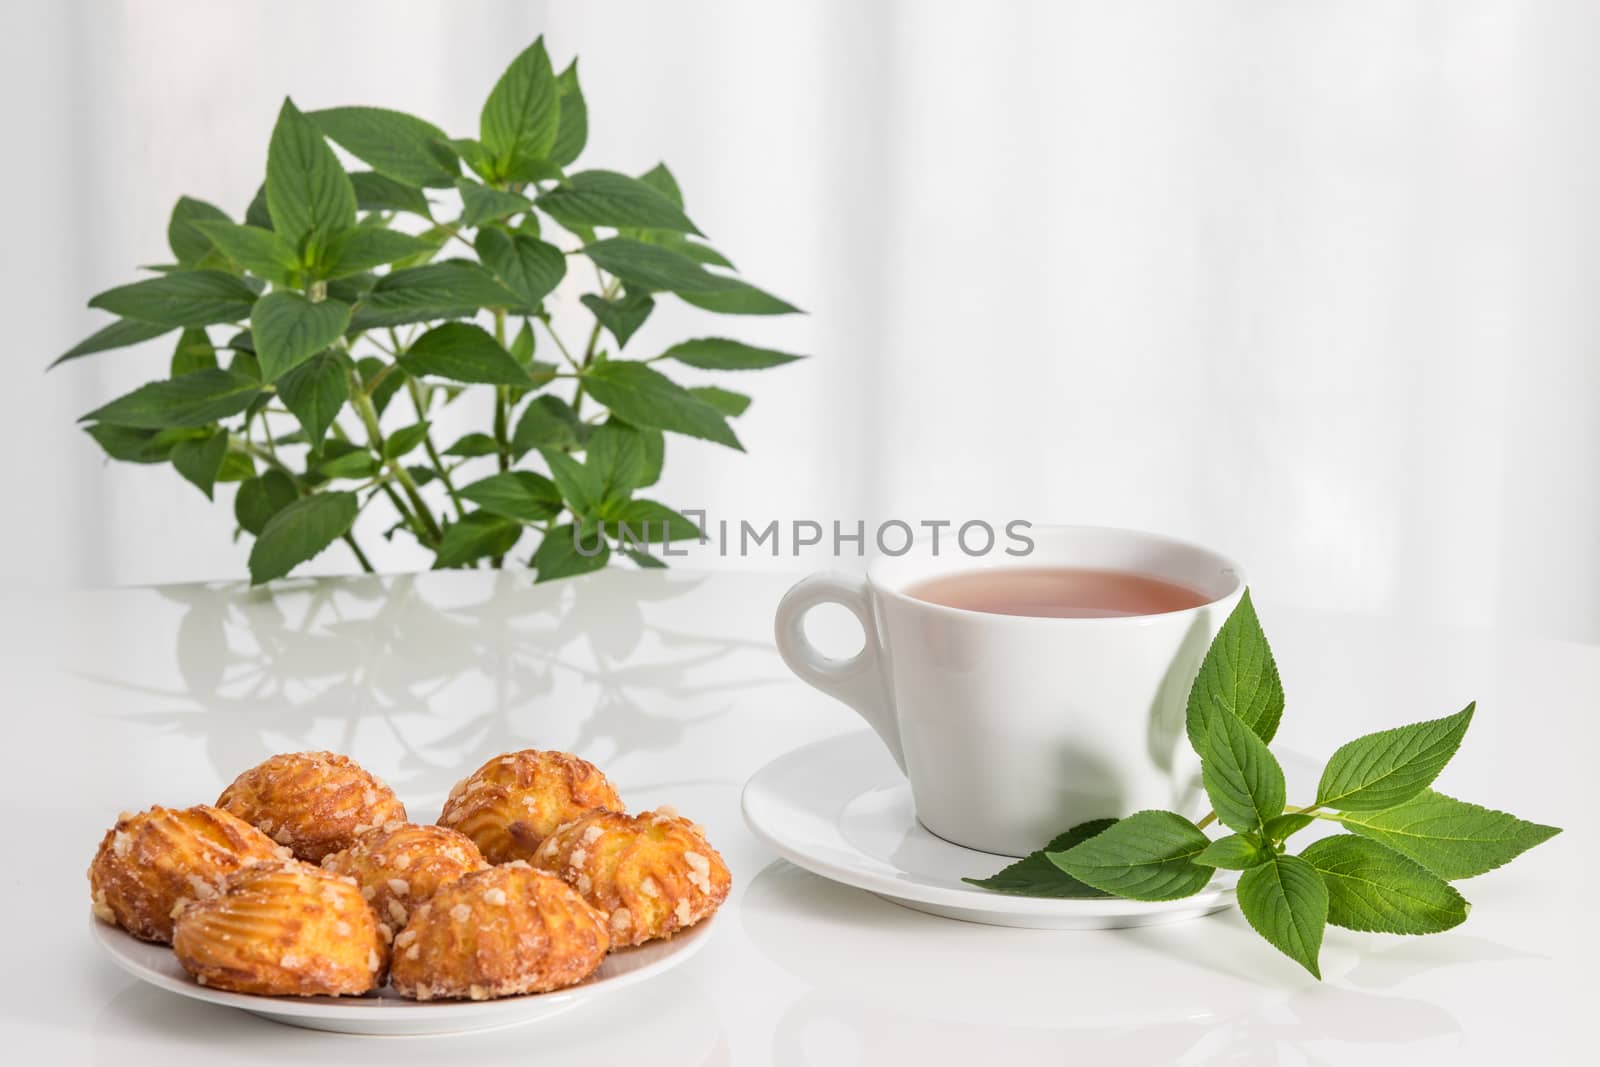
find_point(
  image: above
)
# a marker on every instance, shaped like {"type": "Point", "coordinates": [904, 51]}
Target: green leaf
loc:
{"type": "Point", "coordinates": [1452, 838]}
{"type": "Point", "coordinates": [739, 298]}
{"type": "Point", "coordinates": [353, 289]}
{"type": "Point", "coordinates": [1236, 852]}
{"type": "Point", "coordinates": [404, 440]}
{"type": "Point", "coordinates": [308, 193]}
{"type": "Point", "coordinates": [183, 298]}
{"type": "Point", "coordinates": [475, 156]}
{"type": "Point", "coordinates": [117, 334]}
{"type": "Point", "coordinates": [261, 252]}
{"type": "Point", "coordinates": [548, 422]}
{"type": "Point", "coordinates": [365, 247]}
{"type": "Point", "coordinates": [194, 352]}
{"type": "Point", "coordinates": [572, 132]}
{"type": "Point", "coordinates": [522, 113]}
{"type": "Point", "coordinates": [288, 329]}
{"type": "Point", "coordinates": [655, 453]}
{"type": "Point", "coordinates": [473, 444]}
{"type": "Point", "coordinates": [539, 372]}
{"type": "Point", "coordinates": [1147, 856]}
{"type": "Point", "coordinates": [200, 460]}
{"type": "Point", "coordinates": [197, 399]}
{"type": "Point", "coordinates": [727, 401]}
{"type": "Point", "coordinates": [1241, 776]}
{"type": "Point", "coordinates": [463, 352]}
{"type": "Point", "coordinates": [521, 495]}
{"type": "Point", "coordinates": [649, 562]}
{"type": "Point", "coordinates": [1287, 903]}
{"type": "Point", "coordinates": [314, 392]}
{"type": "Point", "coordinates": [129, 445]}
{"type": "Point", "coordinates": [558, 556]}
{"type": "Point", "coordinates": [606, 198]}
{"type": "Point", "coordinates": [189, 244]}
{"type": "Point", "coordinates": [654, 523]}
{"type": "Point", "coordinates": [257, 213]}
{"type": "Point", "coordinates": [1374, 888]}
{"type": "Point", "coordinates": [644, 396]}
{"type": "Point", "coordinates": [579, 483]}
{"type": "Point", "coordinates": [719, 353]}
{"type": "Point", "coordinates": [1389, 767]}
{"type": "Point", "coordinates": [527, 266]}
{"type": "Point", "coordinates": [259, 499]}
{"type": "Point", "coordinates": [236, 467]}
{"type": "Point", "coordinates": [244, 361]}
{"type": "Point", "coordinates": [480, 204]}
{"type": "Point", "coordinates": [452, 289]}
{"type": "Point", "coordinates": [475, 536]}
{"type": "Point", "coordinates": [1035, 876]}
{"type": "Point", "coordinates": [615, 453]}
{"type": "Point", "coordinates": [1281, 826]}
{"type": "Point", "coordinates": [300, 531]}
{"type": "Point", "coordinates": [377, 192]}
{"type": "Point", "coordinates": [700, 253]}
{"type": "Point", "coordinates": [522, 345]}
{"type": "Point", "coordinates": [622, 317]}
{"type": "Point", "coordinates": [650, 266]}
{"type": "Point", "coordinates": [661, 180]}
{"type": "Point", "coordinates": [1237, 677]}
{"type": "Point", "coordinates": [395, 144]}
{"type": "Point", "coordinates": [342, 459]}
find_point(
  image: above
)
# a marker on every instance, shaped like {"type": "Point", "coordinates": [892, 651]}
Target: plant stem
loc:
{"type": "Point", "coordinates": [433, 452]}
{"type": "Point", "coordinates": [502, 400]}
{"type": "Point", "coordinates": [1289, 809]}
{"type": "Point", "coordinates": [414, 494]}
{"type": "Point", "coordinates": [607, 293]}
{"type": "Point", "coordinates": [422, 522]}
{"type": "Point", "coordinates": [377, 380]}
{"type": "Point", "coordinates": [559, 344]}
{"type": "Point", "coordinates": [249, 447]}
{"type": "Point", "coordinates": [588, 358]}
{"type": "Point", "coordinates": [502, 421]}
{"type": "Point", "coordinates": [454, 230]}
{"type": "Point", "coordinates": [361, 557]}
{"type": "Point", "coordinates": [404, 511]}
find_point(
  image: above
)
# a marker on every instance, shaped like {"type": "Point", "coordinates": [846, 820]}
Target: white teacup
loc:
{"type": "Point", "coordinates": [1011, 728]}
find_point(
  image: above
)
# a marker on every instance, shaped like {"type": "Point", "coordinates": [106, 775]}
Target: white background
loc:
{"type": "Point", "coordinates": [1309, 283]}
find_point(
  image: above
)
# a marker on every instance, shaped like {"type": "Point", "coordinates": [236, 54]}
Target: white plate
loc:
{"type": "Point", "coordinates": [842, 809]}
{"type": "Point", "coordinates": [386, 1012]}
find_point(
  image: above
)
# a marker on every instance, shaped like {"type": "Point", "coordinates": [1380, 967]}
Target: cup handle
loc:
{"type": "Point", "coordinates": [859, 681]}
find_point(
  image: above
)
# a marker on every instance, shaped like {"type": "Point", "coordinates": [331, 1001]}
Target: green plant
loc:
{"type": "Point", "coordinates": [343, 304]}
{"type": "Point", "coordinates": [1390, 873]}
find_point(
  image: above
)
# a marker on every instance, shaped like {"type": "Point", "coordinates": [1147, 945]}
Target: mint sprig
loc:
{"type": "Point", "coordinates": [1390, 873]}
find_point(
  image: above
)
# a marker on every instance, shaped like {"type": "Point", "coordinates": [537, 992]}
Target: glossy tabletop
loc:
{"type": "Point", "coordinates": [119, 699]}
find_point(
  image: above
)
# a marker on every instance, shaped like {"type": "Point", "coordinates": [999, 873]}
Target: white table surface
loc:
{"type": "Point", "coordinates": [119, 699]}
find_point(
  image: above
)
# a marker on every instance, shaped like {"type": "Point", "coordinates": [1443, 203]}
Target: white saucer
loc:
{"type": "Point", "coordinates": [386, 1012]}
{"type": "Point", "coordinates": [842, 809]}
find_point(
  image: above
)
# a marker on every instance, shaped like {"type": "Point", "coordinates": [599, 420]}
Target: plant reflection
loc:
{"type": "Point", "coordinates": [427, 667]}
